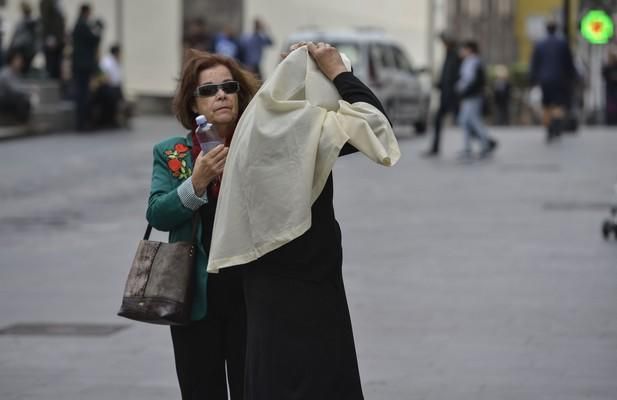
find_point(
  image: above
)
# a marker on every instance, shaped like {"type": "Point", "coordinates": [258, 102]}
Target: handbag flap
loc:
{"type": "Point", "coordinates": [140, 270]}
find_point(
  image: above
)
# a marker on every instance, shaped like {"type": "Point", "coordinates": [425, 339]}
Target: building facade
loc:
{"type": "Point", "coordinates": [490, 22]}
{"type": "Point", "coordinates": [507, 29]}
{"type": "Point", "coordinates": [150, 31]}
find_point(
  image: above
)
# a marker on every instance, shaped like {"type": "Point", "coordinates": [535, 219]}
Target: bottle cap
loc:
{"type": "Point", "coordinates": [200, 120]}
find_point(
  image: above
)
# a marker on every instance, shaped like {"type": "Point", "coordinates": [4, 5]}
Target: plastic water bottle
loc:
{"type": "Point", "coordinates": [206, 134]}
{"type": "Point", "coordinates": [208, 138]}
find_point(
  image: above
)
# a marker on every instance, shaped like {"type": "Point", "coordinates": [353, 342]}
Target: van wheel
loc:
{"type": "Point", "coordinates": [419, 127]}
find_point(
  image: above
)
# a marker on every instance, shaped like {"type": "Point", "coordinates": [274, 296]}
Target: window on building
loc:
{"type": "Point", "coordinates": [473, 8]}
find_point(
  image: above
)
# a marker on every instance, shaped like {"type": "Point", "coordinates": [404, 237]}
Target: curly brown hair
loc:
{"type": "Point", "coordinates": [196, 61]}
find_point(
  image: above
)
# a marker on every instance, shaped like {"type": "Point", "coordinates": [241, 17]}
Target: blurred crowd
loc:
{"type": "Point", "coordinates": [247, 49]}
{"type": "Point", "coordinates": [470, 90]}
{"type": "Point", "coordinates": [85, 74]}
{"type": "Point", "coordinates": [45, 47]}
{"type": "Point", "coordinates": [518, 93]}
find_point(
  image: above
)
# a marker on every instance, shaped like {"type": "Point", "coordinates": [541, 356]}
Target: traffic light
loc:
{"type": "Point", "coordinates": [597, 26]}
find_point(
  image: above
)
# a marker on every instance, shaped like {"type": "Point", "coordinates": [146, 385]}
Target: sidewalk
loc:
{"type": "Point", "coordinates": [487, 281]}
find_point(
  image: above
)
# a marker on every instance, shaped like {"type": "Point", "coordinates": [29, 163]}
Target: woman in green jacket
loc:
{"type": "Point", "coordinates": [184, 182]}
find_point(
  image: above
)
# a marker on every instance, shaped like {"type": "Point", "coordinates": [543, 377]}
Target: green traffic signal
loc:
{"type": "Point", "coordinates": [597, 27]}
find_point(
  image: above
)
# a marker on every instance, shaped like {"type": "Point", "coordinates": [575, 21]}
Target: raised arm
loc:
{"type": "Point", "coordinates": [351, 89]}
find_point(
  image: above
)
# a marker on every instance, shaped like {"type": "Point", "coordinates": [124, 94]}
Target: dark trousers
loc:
{"type": "Point", "coordinates": [105, 103]}
{"type": "Point", "coordinates": [81, 82]}
{"type": "Point", "coordinates": [204, 348]}
{"type": "Point", "coordinates": [502, 113]}
{"type": "Point", "coordinates": [53, 62]}
{"type": "Point", "coordinates": [447, 104]}
{"type": "Point", "coordinates": [16, 106]}
{"type": "Point", "coordinates": [611, 105]}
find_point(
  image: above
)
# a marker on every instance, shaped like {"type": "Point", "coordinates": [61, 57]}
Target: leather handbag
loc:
{"type": "Point", "coordinates": [159, 288]}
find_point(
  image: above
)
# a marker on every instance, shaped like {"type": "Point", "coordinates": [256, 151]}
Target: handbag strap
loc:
{"type": "Point", "coordinates": [193, 229]}
{"type": "Point", "coordinates": [148, 232]}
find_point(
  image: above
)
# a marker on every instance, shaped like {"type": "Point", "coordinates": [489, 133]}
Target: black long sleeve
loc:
{"type": "Point", "coordinates": [352, 90]}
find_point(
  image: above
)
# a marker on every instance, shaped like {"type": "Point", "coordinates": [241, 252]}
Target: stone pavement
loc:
{"type": "Point", "coordinates": [480, 281]}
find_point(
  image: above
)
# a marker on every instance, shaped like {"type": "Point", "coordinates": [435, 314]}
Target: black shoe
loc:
{"type": "Point", "coordinates": [491, 146]}
{"type": "Point", "coordinates": [558, 125]}
{"type": "Point", "coordinates": [550, 133]}
{"type": "Point", "coordinates": [554, 130]}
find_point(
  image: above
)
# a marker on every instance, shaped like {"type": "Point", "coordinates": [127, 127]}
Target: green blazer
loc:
{"type": "Point", "coordinates": [172, 204]}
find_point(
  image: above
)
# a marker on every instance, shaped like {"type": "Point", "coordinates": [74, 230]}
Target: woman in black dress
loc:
{"type": "Point", "coordinates": [299, 337]}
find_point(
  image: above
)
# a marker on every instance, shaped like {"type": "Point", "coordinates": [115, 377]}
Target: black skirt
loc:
{"type": "Point", "coordinates": [299, 337]}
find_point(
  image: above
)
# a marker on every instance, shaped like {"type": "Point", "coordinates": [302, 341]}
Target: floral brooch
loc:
{"type": "Point", "coordinates": [176, 161]}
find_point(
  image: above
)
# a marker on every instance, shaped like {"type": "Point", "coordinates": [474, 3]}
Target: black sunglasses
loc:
{"type": "Point", "coordinates": [211, 89]}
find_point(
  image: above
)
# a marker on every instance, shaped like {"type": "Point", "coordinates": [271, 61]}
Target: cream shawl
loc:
{"type": "Point", "coordinates": [283, 150]}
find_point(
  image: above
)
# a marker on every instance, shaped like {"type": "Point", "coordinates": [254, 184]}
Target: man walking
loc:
{"type": "Point", "coordinates": [86, 38]}
{"type": "Point", "coordinates": [448, 102]}
{"type": "Point", "coordinates": [253, 45]}
{"type": "Point", "coordinates": [109, 95]}
{"type": "Point", "coordinates": [24, 39]}
{"type": "Point", "coordinates": [52, 32]}
{"type": "Point", "coordinates": [609, 72]}
{"type": "Point", "coordinates": [470, 88]}
{"type": "Point", "coordinates": [552, 67]}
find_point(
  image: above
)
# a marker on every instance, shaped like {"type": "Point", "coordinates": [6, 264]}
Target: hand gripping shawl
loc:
{"type": "Point", "coordinates": [283, 149]}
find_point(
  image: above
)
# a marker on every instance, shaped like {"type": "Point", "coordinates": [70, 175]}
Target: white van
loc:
{"type": "Point", "coordinates": [382, 65]}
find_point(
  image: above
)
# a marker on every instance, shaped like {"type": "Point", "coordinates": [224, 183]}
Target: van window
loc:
{"type": "Point", "coordinates": [382, 56]}
{"type": "Point", "coordinates": [401, 61]}
{"type": "Point", "coordinates": [351, 50]}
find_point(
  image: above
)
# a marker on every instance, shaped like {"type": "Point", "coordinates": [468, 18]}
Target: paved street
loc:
{"type": "Point", "coordinates": [482, 281]}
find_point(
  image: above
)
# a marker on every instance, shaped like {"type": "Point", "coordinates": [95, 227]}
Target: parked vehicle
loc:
{"type": "Point", "coordinates": [382, 65]}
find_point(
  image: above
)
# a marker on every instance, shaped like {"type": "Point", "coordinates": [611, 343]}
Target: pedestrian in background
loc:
{"type": "Point", "coordinates": [448, 98]}
{"type": "Point", "coordinates": [14, 99]}
{"type": "Point", "coordinates": [24, 39]}
{"type": "Point", "coordinates": [53, 36]}
{"type": "Point", "coordinates": [86, 37]}
{"type": "Point", "coordinates": [501, 90]}
{"type": "Point", "coordinates": [470, 88]}
{"type": "Point", "coordinates": [253, 45]}
{"type": "Point", "coordinates": [226, 43]}
{"type": "Point", "coordinates": [108, 96]}
{"type": "Point", "coordinates": [609, 72]}
{"type": "Point", "coordinates": [210, 352]}
{"type": "Point", "coordinates": [552, 67]}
